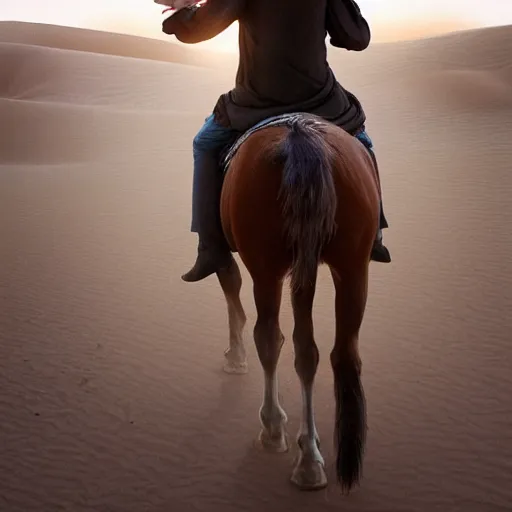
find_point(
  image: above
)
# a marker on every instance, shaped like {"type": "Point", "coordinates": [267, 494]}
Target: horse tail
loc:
{"type": "Point", "coordinates": [350, 417]}
{"type": "Point", "coordinates": [309, 198]}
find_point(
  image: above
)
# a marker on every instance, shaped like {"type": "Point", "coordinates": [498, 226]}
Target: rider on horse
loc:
{"type": "Point", "coordinates": [282, 69]}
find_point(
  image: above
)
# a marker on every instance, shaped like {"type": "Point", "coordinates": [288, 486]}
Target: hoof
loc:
{"type": "Point", "coordinates": [309, 477]}
{"type": "Point", "coordinates": [235, 368]}
{"type": "Point", "coordinates": [277, 444]}
{"type": "Point", "coordinates": [235, 362]}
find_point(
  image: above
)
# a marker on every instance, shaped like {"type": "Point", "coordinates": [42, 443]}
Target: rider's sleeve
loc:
{"type": "Point", "coordinates": [346, 26]}
{"type": "Point", "coordinates": [197, 24]}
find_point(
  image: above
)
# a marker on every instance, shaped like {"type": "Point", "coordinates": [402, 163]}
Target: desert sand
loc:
{"type": "Point", "coordinates": [112, 397]}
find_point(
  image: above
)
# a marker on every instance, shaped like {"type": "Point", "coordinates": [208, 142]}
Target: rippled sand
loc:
{"type": "Point", "coordinates": [112, 397]}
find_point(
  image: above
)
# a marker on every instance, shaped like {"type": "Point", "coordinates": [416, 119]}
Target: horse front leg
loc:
{"type": "Point", "coordinates": [235, 355]}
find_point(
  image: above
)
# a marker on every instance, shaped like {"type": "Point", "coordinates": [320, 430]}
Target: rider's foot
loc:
{"type": "Point", "coordinates": [208, 262]}
{"type": "Point", "coordinates": [380, 252]}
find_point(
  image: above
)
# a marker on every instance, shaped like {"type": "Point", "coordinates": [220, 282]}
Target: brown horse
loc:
{"type": "Point", "coordinates": [297, 194]}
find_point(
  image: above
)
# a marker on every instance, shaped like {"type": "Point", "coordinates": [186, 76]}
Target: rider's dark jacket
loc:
{"type": "Point", "coordinates": [283, 56]}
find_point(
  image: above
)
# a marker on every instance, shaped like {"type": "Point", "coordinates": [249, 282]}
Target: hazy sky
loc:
{"type": "Point", "coordinates": [143, 17]}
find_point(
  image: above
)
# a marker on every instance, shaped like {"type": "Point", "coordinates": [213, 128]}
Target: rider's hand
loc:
{"type": "Point", "coordinates": [182, 15]}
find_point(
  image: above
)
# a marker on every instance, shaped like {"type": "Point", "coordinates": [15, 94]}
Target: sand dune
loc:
{"type": "Point", "coordinates": [48, 74]}
{"type": "Point", "coordinates": [111, 393]}
{"type": "Point", "coordinates": [468, 89]}
{"type": "Point", "coordinates": [95, 41]}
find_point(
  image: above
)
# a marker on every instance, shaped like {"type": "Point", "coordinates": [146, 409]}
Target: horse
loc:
{"type": "Point", "coordinates": [298, 192]}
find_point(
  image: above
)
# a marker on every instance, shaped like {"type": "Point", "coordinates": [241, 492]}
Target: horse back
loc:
{"type": "Point", "coordinates": [251, 202]}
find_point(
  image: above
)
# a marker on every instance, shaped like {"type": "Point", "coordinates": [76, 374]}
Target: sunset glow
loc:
{"type": "Point", "coordinates": [390, 20]}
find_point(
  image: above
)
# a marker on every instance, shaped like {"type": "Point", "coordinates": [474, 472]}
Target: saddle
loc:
{"type": "Point", "coordinates": [280, 120]}
{"type": "Point", "coordinates": [288, 120]}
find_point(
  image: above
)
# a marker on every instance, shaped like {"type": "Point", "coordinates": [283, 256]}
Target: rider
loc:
{"type": "Point", "coordinates": [282, 68]}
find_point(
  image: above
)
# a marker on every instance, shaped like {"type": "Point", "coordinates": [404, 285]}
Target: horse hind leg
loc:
{"type": "Point", "coordinates": [269, 340]}
{"type": "Point", "coordinates": [235, 355]}
{"type": "Point", "coordinates": [309, 473]}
